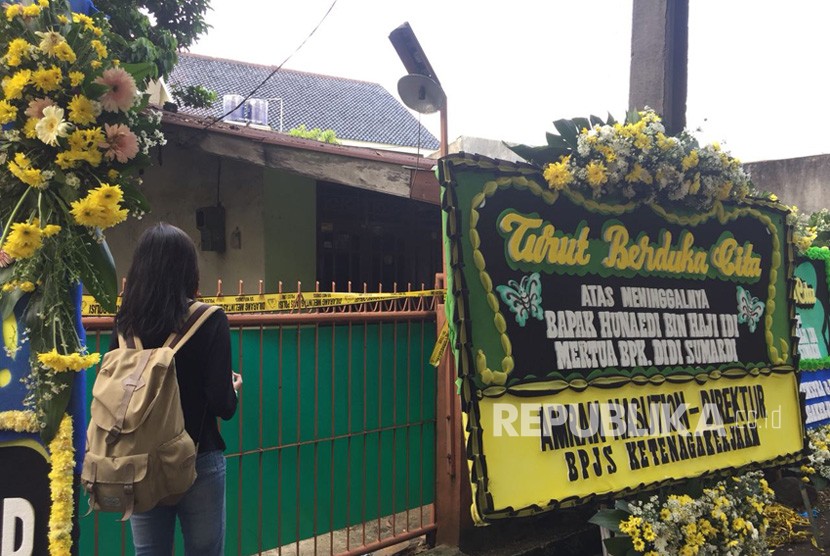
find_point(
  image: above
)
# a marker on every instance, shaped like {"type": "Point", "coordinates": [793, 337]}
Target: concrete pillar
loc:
{"type": "Point", "coordinates": [659, 59]}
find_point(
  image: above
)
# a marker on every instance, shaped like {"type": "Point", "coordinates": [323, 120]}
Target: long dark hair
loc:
{"type": "Point", "coordinates": [163, 277]}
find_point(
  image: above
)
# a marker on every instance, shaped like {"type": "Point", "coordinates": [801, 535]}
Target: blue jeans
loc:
{"type": "Point", "coordinates": [201, 512]}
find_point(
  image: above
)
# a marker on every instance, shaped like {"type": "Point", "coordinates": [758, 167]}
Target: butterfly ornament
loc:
{"type": "Point", "coordinates": [750, 309]}
{"type": "Point", "coordinates": [524, 298]}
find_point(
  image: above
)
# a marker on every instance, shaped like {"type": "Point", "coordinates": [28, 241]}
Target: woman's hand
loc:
{"type": "Point", "coordinates": [236, 381]}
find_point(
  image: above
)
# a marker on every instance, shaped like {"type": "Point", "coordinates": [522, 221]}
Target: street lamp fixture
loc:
{"type": "Point", "coordinates": [420, 90]}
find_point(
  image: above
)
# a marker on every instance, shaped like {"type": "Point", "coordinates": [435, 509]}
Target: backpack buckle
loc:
{"type": "Point", "coordinates": [113, 434]}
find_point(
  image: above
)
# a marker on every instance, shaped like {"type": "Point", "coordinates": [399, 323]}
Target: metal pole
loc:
{"type": "Point", "coordinates": [444, 148]}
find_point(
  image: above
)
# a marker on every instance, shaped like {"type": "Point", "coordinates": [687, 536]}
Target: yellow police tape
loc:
{"type": "Point", "coordinates": [277, 302]}
{"type": "Point", "coordinates": [440, 345]}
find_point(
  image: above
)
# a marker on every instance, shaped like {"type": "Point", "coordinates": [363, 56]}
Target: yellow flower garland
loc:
{"type": "Point", "coordinates": [19, 421]}
{"type": "Point", "coordinates": [60, 477]}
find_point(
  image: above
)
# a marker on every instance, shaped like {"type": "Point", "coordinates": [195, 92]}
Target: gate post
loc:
{"type": "Point", "coordinates": [453, 494]}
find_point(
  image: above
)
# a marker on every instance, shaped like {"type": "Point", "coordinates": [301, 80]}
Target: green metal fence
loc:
{"type": "Point", "coordinates": [332, 450]}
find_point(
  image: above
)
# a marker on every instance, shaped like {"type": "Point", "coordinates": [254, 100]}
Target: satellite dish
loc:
{"type": "Point", "coordinates": [421, 93]}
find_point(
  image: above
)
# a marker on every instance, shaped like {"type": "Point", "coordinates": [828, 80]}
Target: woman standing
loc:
{"type": "Point", "coordinates": [161, 284]}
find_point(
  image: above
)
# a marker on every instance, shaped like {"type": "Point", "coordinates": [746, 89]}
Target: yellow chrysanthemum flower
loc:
{"type": "Point", "coordinates": [558, 175]}
{"type": "Point", "coordinates": [596, 174]}
{"type": "Point", "coordinates": [76, 78]}
{"type": "Point", "coordinates": [83, 18]}
{"type": "Point", "coordinates": [47, 80]}
{"type": "Point", "coordinates": [13, 11]}
{"type": "Point", "coordinates": [638, 174]}
{"type": "Point", "coordinates": [724, 191]}
{"type": "Point", "coordinates": [32, 10]}
{"type": "Point", "coordinates": [23, 240]}
{"type": "Point", "coordinates": [665, 143]}
{"type": "Point", "coordinates": [112, 174]}
{"type": "Point", "coordinates": [690, 160]}
{"type": "Point", "coordinates": [71, 362]}
{"type": "Point", "coordinates": [642, 141]}
{"type": "Point", "coordinates": [13, 86]}
{"type": "Point", "coordinates": [100, 48]}
{"type": "Point", "coordinates": [22, 169]}
{"type": "Point", "coordinates": [18, 50]}
{"type": "Point", "coordinates": [95, 64]}
{"type": "Point", "coordinates": [107, 195]}
{"type": "Point", "coordinates": [64, 53]}
{"type": "Point", "coordinates": [29, 128]}
{"type": "Point", "coordinates": [50, 230]}
{"type": "Point", "coordinates": [26, 286]}
{"type": "Point", "coordinates": [68, 159]}
{"type": "Point", "coordinates": [694, 186]}
{"type": "Point", "coordinates": [86, 139]}
{"type": "Point", "coordinates": [8, 112]}
{"type": "Point", "coordinates": [83, 111]}
{"type": "Point", "coordinates": [91, 213]}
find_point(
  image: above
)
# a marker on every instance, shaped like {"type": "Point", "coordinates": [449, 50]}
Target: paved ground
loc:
{"type": "Point", "coordinates": [355, 537]}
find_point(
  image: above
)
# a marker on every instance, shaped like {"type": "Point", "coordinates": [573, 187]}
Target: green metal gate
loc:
{"type": "Point", "coordinates": [332, 450]}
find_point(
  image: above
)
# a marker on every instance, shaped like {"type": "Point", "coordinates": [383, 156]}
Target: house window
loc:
{"type": "Point", "coordinates": [364, 236]}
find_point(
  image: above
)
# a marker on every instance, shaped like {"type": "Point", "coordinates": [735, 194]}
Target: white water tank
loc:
{"type": "Point", "coordinates": [253, 111]}
{"type": "Point", "coordinates": [256, 111]}
{"type": "Point", "coordinates": [232, 108]}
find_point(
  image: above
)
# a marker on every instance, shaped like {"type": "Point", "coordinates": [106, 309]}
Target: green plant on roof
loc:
{"type": "Point", "coordinates": [324, 136]}
{"type": "Point", "coordinates": [195, 96]}
{"type": "Point", "coordinates": [634, 160]}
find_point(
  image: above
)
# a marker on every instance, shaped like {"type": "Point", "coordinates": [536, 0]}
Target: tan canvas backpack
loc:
{"type": "Point", "coordinates": [138, 453]}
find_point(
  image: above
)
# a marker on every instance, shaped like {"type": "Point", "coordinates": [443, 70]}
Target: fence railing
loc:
{"type": "Point", "coordinates": [332, 449]}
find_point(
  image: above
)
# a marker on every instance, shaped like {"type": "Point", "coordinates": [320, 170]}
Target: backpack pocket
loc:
{"type": "Point", "coordinates": [177, 466]}
{"type": "Point", "coordinates": [111, 482]}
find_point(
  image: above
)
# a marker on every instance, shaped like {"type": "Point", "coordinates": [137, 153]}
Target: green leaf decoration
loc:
{"type": "Point", "coordinates": [56, 408]}
{"type": "Point", "coordinates": [557, 142]}
{"type": "Point", "coordinates": [8, 301]}
{"type": "Point", "coordinates": [98, 274]}
{"type": "Point", "coordinates": [610, 519]}
{"type": "Point", "coordinates": [568, 130]}
{"type": "Point", "coordinates": [619, 546]}
{"type": "Point", "coordinates": [582, 123]}
{"type": "Point", "coordinates": [540, 156]}
{"type": "Point", "coordinates": [141, 71]}
{"type": "Point", "coordinates": [134, 197]}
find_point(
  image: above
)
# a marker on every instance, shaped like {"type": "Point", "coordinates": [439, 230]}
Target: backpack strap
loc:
{"type": "Point", "coordinates": [198, 314]}
{"type": "Point", "coordinates": [131, 342]}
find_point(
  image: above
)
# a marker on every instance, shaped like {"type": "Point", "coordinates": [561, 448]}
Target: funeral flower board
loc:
{"type": "Point", "coordinates": [812, 302]}
{"type": "Point", "coordinates": [607, 346]}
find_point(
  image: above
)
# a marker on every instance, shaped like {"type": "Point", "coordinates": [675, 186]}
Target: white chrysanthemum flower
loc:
{"type": "Point", "coordinates": [52, 125]}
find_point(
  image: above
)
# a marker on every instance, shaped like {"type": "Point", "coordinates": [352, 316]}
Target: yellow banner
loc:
{"type": "Point", "coordinates": [276, 302]}
{"type": "Point", "coordinates": [572, 445]}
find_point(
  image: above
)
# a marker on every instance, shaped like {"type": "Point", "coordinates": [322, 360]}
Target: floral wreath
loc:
{"type": "Point", "coordinates": [76, 133]}
{"type": "Point", "coordinates": [635, 160]}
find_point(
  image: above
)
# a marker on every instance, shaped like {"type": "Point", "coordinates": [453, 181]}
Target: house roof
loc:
{"type": "Point", "coordinates": [390, 172]}
{"type": "Point", "coordinates": [355, 110]}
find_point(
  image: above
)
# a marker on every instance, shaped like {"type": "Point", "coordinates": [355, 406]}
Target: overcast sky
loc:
{"type": "Point", "coordinates": [758, 70]}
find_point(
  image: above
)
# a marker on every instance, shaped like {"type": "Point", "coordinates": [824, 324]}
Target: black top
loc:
{"type": "Point", "coordinates": [203, 370]}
